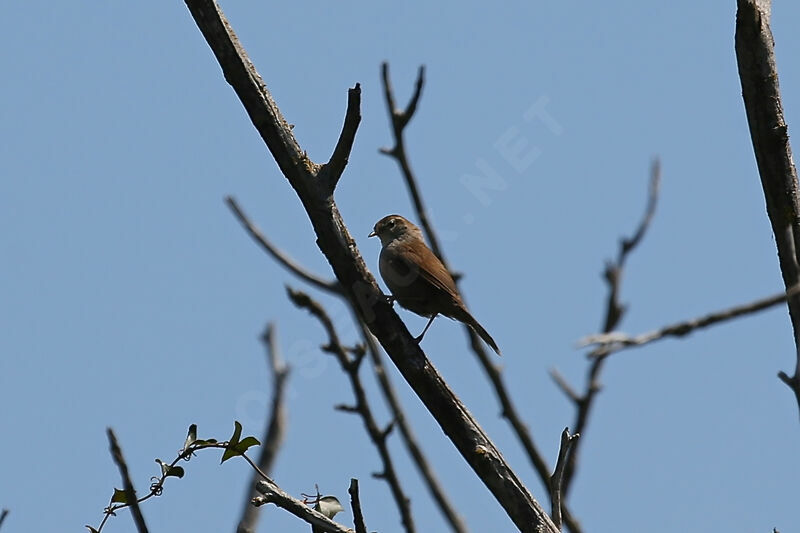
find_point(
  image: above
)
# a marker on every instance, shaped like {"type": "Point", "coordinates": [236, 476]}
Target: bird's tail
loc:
{"type": "Point", "coordinates": [469, 320]}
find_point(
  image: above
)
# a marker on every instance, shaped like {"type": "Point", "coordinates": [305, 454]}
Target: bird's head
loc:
{"type": "Point", "coordinates": [395, 227]}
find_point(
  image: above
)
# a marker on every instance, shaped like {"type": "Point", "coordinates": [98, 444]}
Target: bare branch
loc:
{"type": "Point", "coordinates": [567, 441]}
{"type": "Point", "coordinates": [277, 254]}
{"type": "Point", "coordinates": [613, 272]}
{"type": "Point", "coordinates": [376, 434]}
{"type": "Point", "coordinates": [758, 71]}
{"type": "Point", "coordinates": [276, 427]}
{"type": "Point", "coordinates": [609, 343]}
{"type": "Point", "coordinates": [341, 251]}
{"type": "Point", "coordinates": [331, 172]}
{"type": "Point", "coordinates": [565, 387]}
{"type": "Point", "coordinates": [355, 504]}
{"type": "Point", "coordinates": [130, 492]}
{"type": "Point", "coordinates": [614, 312]}
{"type": "Point", "coordinates": [272, 493]}
{"type": "Point", "coordinates": [3, 515]}
{"type": "Point", "coordinates": [399, 120]}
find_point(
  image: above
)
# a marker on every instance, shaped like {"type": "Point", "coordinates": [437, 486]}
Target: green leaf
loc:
{"type": "Point", "coordinates": [237, 433]}
{"type": "Point", "coordinates": [119, 496]}
{"type": "Point", "coordinates": [246, 443]}
{"type": "Point", "coordinates": [167, 470]}
{"type": "Point", "coordinates": [233, 442]}
{"type": "Point", "coordinates": [175, 471]}
{"type": "Point", "coordinates": [191, 437]}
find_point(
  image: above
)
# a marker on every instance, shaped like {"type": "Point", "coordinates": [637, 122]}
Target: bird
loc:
{"type": "Point", "coordinates": [417, 278]}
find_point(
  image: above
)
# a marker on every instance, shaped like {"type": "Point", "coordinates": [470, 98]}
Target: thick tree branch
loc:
{"type": "Point", "coordinates": [350, 366]}
{"type": "Point", "coordinates": [407, 435]}
{"type": "Point", "coordinates": [130, 492]}
{"type": "Point", "coordinates": [355, 505]}
{"type": "Point", "coordinates": [340, 249]}
{"type": "Point", "coordinates": [276, 427]}
{"type": "Point", "coordinates": [608, 343]}
{"type": "Point", "coordinates": [762, 100]}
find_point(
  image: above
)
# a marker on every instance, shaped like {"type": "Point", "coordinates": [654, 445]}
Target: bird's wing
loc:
{"type": "Point", "coordinates": [431, 269]}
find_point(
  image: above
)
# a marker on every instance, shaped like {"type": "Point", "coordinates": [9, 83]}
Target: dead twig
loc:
{"type": "Point", "coordinates": [567, 441]}
{"type": "Point", "coordinates": [608, 343]}
{"type": "Point", "coordinates": [275, 432]}
{"type": "Point", "coordinates": [614, 312]}
{"type": "Point", "coordinates": [279, 255]}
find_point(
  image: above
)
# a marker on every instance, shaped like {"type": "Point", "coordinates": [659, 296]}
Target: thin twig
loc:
{"type": "Point", "coordinates": [614, 312]}
{"type": "Point", "coordinates": [567, 442]}
{"type": "Point", "coordinates": [355, 504]}
{"type": "Point", "coordinates": [378, 436]}
{"type": "Point", "coordinates": [399, 120]}
{"type": "Point", "coordinates": [130, 492]}
{"type": "Point", "coordinates": [279, 255]}
{"type": "Point", "coordinates": [608, 343]}
{"type": "Point", "coordinates": [3, 515]}
{"type": "Point", "coordinates": [275, 432]}
{"type": "Point", "coordinates": [758, 71]}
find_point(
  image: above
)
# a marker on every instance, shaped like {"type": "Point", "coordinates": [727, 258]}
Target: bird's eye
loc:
{"type": "Point", "coordinates": [391, 223]}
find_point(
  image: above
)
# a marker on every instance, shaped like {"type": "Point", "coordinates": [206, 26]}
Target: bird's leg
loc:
{"type": "Point", "coordinates": [418, 339]}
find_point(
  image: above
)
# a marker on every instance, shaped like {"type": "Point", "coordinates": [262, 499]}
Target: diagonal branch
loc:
{"type": "Point", "coordinates": [130, 492]}
{"type": "Point", "coordinates": [608, 343]}
{"type": "Point", "coordinates": [758, 71]}
{"type": "Point", "coordinates": [350, 366]}
{"type": "Point", "coordinates": [613, 272]}
{"type": "Point", "coordinates": [276, 427]}
{"type": "Point", "coordinates": [614, 312]}
{"type": "Point", "coordinates": [406, 433]}
{"type": "Point", "coordinates": [278, 254]}
{"type": "Point", "coordinates": [387, 390]}
{"type": "Point", "coordinates": [339, 248]}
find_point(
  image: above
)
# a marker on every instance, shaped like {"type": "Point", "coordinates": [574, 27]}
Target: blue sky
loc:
{"type": "Point", "coordinates": [131, 298]}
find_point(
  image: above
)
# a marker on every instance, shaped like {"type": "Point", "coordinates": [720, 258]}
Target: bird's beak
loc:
{"type": "Point", "coordinates": [372, 234]}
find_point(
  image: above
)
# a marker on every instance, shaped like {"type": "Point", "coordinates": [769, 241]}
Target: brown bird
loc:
{"type": "Point", "coordinates": [417, 278]}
